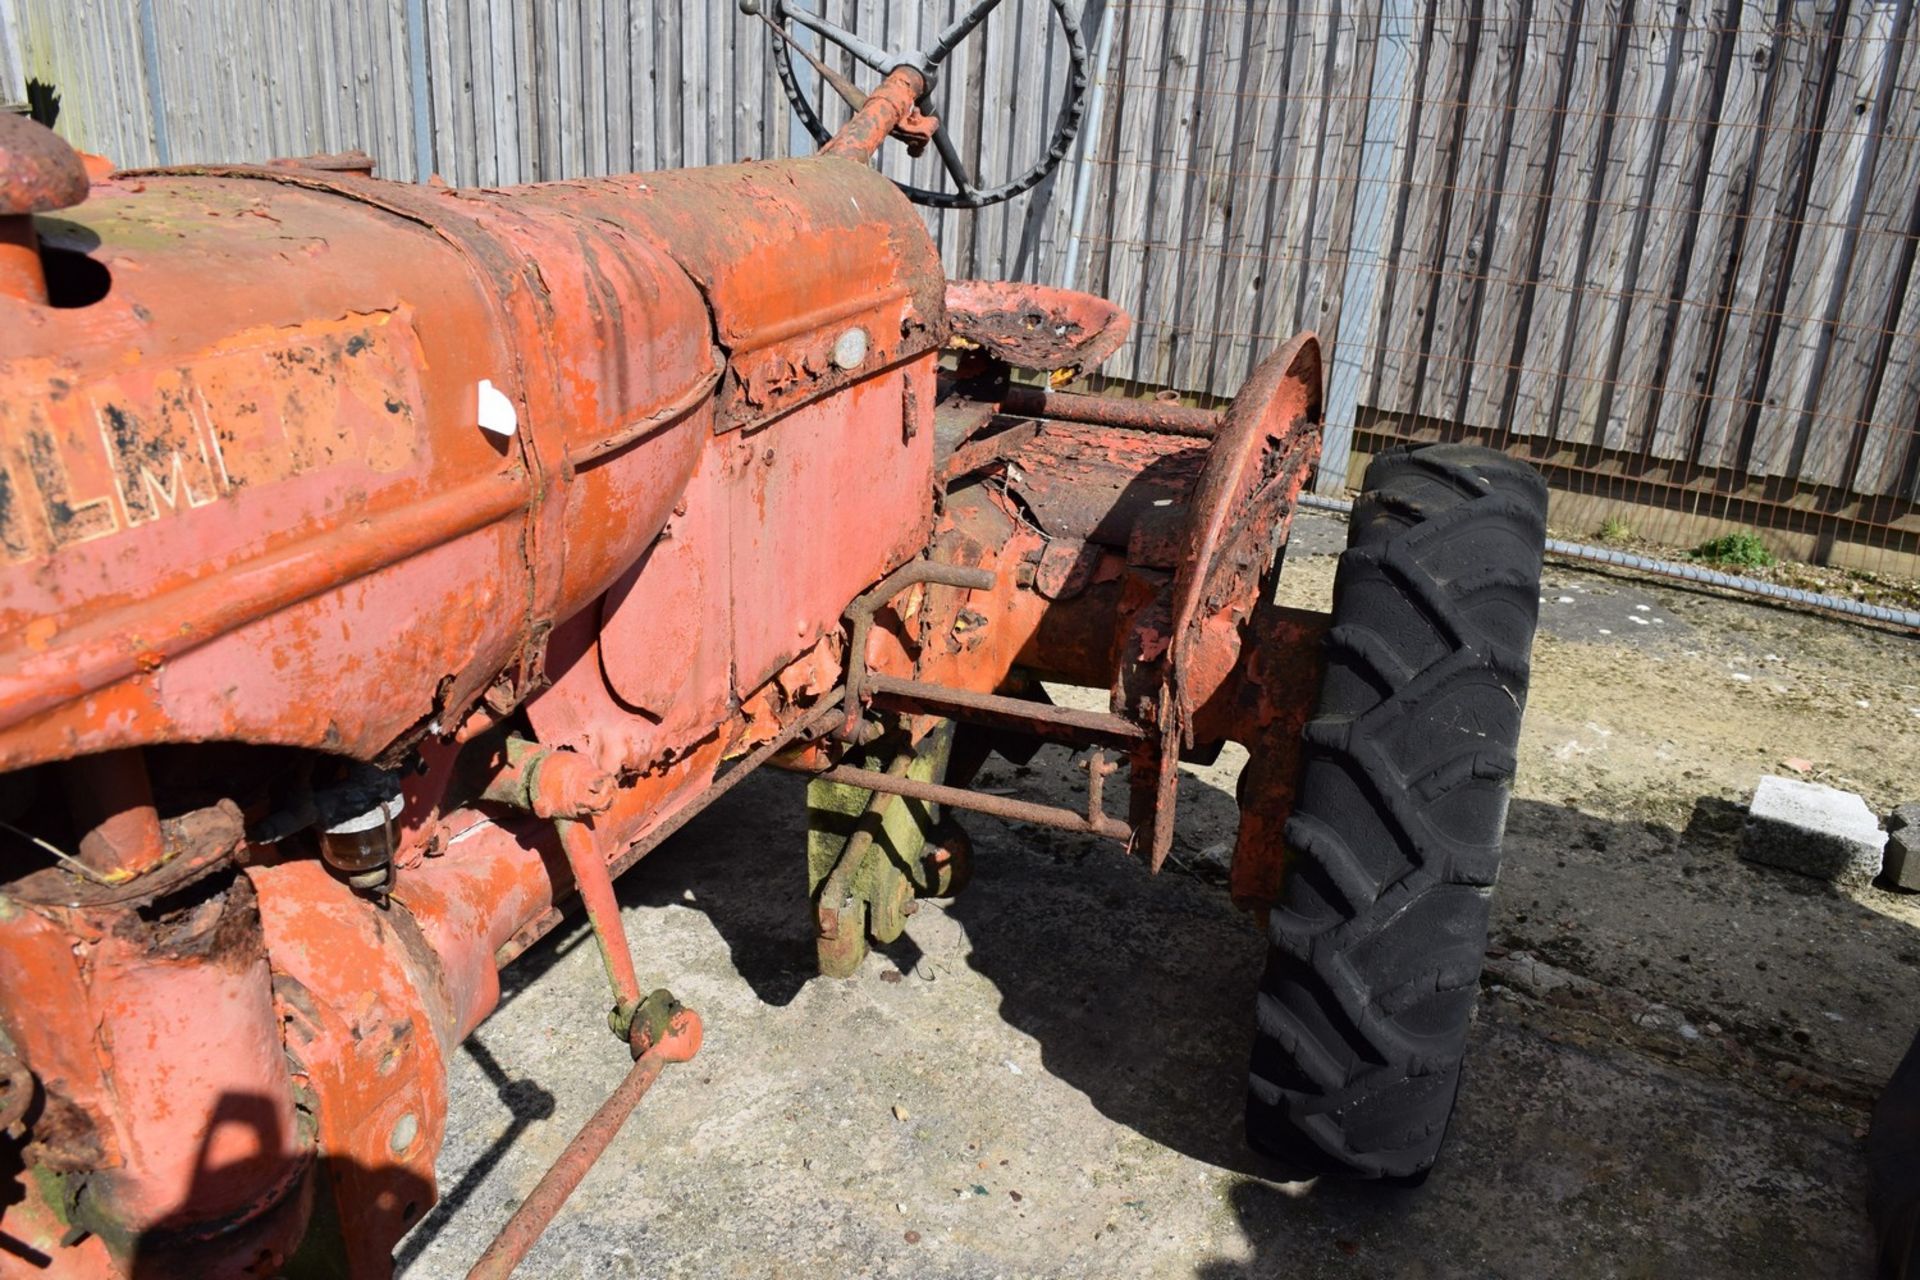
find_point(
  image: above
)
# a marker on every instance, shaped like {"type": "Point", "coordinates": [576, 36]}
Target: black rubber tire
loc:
{"type": "Point", "coordinates": [1394, 841]}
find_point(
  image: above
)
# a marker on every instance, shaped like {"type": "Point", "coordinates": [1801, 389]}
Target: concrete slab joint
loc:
{"type": "Point", "coordinates": [1812, 829]}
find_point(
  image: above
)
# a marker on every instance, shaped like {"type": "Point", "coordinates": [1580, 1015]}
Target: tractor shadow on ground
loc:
{"type": "Point", "coordinates": [527, 1102]}
{"type": "Point", "coordinates": [1138, 991]}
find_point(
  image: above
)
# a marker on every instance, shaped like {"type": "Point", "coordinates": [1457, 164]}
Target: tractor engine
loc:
{"type": "Point", "coordinates": [308, 483]}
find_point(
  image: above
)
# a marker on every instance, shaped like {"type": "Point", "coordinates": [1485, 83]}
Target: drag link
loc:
{"type": "Point", "coordinates": [595, 886]}
{"type": "Point", "coordinates": [665, 1032]}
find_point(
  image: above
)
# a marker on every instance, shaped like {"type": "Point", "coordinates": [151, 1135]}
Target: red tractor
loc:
{"type": "Point", "coordinates": [384, 569]}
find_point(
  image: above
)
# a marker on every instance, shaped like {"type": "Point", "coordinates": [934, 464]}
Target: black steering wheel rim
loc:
{"type": "Point", "coordinates": [1066, 122]}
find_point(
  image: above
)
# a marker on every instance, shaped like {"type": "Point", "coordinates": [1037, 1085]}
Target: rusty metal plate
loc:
{"type": "Point", "coordinates": [676, 601]}
{"type": "Point", "coordinates": [1036, 326]}
{"type": "Point", "coordinates": [366, 1028]}
{"type": "Point", "coordinates": [1243, 506]}
{"type": "Point", "coordinates": [794, 259]}
{"type": "Point", "coordinates": [271, 513]}
{"type": "Point", "coordinates": [1237, 522]}
{"type": "Point", "coordinates": [823, 504]}
{"type": "Point", "coordinates": [1095, 484]}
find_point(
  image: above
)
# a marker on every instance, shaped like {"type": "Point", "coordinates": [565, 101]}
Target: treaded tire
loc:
{"type": "Point", "coordinates": [1394, 840]}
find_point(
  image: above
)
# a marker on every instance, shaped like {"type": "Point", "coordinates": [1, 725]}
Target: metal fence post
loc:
{"type": "Point", "coordinates": [1089, 144]}
{"type": "Point", "coordinates": [1386, 112]}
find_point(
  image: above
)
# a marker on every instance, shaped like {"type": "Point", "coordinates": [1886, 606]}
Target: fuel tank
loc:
{"type": "Point", "coordinates": [314, 459]}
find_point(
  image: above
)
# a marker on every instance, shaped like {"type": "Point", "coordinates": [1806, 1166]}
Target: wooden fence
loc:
{"type": "Point", "coordinates": [1668, 243]}
{"type": "Point", "coordinates": [1667, 249]}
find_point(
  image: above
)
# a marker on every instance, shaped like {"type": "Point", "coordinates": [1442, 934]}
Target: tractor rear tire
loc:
{"type": "Point", "coordinates": [1394, 841]}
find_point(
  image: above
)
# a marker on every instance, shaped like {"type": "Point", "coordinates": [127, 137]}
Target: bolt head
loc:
{"type": "Point", "coordinates": [405, 1130]}
{"type": "Point", "coordinates": [850, 348]}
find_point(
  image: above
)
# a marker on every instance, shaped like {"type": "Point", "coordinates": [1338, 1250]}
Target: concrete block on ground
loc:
{"type": "Point", "coordinates": [1903, 848]}
{"type": "Point", "coordinates": [1816, 830]}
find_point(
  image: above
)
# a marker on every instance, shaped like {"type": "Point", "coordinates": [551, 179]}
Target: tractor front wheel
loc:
{"type": "Point", "coordinates": [1394, 841]}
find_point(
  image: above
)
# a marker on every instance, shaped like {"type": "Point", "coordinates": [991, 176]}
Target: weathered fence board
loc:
{"type": "Point", "coordinates": [1649, 277]}
{"type": "Point", "coordinates": [1829, 226]}
{"type": "Point", "coordinates": [1355, 31]}
{"type": "Point", "coordinates": [1860, 313]}
{"type": "Point", "coordinates": [1578, 166]}
{"type": "Point", "coordinates": [1799, 54]}
{"type": "Point", "coordinates": [1473, 212]}
{"type": "Point", "coordinates": [1516, 238]}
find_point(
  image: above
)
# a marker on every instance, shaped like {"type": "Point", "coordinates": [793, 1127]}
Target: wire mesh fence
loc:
{"type": "Point", "coordinates": [1664, 251]}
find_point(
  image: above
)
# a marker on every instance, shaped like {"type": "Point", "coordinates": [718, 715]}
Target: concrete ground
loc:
{"type": "Point", "coordinates": [1668, 1076]}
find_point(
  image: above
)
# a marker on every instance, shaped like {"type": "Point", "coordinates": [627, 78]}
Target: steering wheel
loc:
{"type": "Point", "coordinates": [968, 192]}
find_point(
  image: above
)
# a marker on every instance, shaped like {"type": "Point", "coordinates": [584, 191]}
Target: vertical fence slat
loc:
{"type": "Point", "coordinates": [1478, 196]}
{"type": "Point", "coordinates": [1125, 249]}
{"type": "Point", "coordinates": [1259, 179]}
{"type": "Point", "coordinates": [1872, 349]}
{"type": "Point", "coordinates": [1615, 288]}
{"type": "Point", "coordinates": [1892, 465]}
{"type": "Point", "coordinates": [13, 62]}
{"type": "Point", "coordinates": [1206, 177]}
{"type": "Point", "coordinates": [1386, 339]}
{"type": "Point", "coordinates": [1828, 235]}
{"type": "Point", "coordinates": [1514, 239]}
{"type": "Point", "coordinates": [1374, 193]}
{"type": "Point", "coordinates": [1291, 277]}
{"type": "Point", "coordinates": [1622, 130]}
{"type": "Point", "coordinates": [1161, 335]}
{"type": "Point", "coordinates": [1577, 160]}
{"type": "Point", "coordinates": [1703, 311]}
{"type": "Point", "coordinates": [1356, 26]}
{"type": "Point", "coordinates": [1443, 187]}
{"type": "Point", "coordinates": [1670, 200]}
{"type": "Point", "coordinates": [1798, 56]}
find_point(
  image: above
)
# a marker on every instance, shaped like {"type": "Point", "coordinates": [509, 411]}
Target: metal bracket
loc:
{"type": "Point", "coordinates": [565, 787]}
{"type": "Point", "coordinates": [859, 617]}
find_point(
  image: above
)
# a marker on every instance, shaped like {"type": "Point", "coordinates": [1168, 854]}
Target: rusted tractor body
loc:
{"type": "Point", "coordinates": [387, 568]}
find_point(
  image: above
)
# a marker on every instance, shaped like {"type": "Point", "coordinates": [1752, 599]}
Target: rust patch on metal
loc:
{"type": "Point", "coordinates": [1240, 513]}
{"type": "Point", "coordinates": [1036, 326]}
{"type": "Point", "coordinates": [888, 108]}
{"type": "Point", "coordinates": [1091, 484]}
{"type": "Point", "coordinates": [1266, 709]}
{"type": "Point", "coordinates": [1112, 411]}
{"type": "Point", "coordinates": [367, 1028]}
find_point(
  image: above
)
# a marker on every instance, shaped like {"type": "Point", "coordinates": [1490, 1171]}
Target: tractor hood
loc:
{"type": "Point", "coordinates": [312, 458]}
